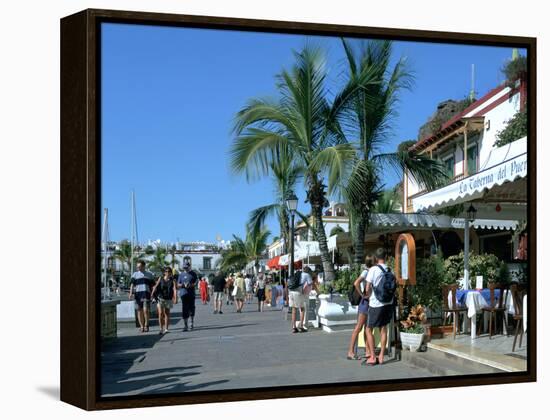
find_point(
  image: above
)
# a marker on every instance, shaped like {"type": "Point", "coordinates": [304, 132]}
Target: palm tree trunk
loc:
{"type": "Point", "coordinates": [316, 197]}
{"type": "Point", "coordinates": [358, 241]}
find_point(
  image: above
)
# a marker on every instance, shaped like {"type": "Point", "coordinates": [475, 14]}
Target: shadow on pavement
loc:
{"type": "Point", "coordinates": [222, 327]}
{"type": "Point", "coordinates": [154, 381]}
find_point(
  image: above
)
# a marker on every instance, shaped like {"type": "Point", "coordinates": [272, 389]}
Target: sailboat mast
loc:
{"type": "Point", "coordinates": [105, 237]}
{"type": "Point", "coordinates": [133, 232]}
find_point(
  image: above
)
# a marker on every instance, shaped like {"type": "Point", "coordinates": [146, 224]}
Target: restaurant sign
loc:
{"type": "Point", "coordinates": [474, 186]}
{"type": "Point", "coordinates": [506, 171]}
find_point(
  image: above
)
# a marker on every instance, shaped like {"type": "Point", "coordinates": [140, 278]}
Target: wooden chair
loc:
{"type": "Point", "coordinates": [518, 313]}
{"type": "Point", "coordinates": [495, 307]}
{"type": "Point", "coordinates": [453, 308]}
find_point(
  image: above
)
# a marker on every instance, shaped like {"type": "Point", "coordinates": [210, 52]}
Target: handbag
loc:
{"type": "Point", "coordinates": [234, 292]}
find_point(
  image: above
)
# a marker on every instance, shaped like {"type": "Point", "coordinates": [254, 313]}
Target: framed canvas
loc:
{"type": "Point", "coordinates": [226, 185]}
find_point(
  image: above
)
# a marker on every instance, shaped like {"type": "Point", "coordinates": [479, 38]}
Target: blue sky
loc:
{"type": "Point", "coordinates": [169, 96]}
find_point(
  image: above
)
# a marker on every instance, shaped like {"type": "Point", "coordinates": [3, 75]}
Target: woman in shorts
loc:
{"type": "Point", "coordinates": [362, 312]}
{"type": "Point", "coordinates": [165, 293]}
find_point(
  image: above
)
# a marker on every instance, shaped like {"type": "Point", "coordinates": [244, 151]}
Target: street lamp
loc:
{"type": "Point", "coordinates": [471, 213]}
{"type": "Point", "coordinates": [292, 205]}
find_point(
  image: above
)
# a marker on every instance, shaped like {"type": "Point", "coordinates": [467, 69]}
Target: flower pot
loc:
{"type": "Point", "coordinates": [411, 340]}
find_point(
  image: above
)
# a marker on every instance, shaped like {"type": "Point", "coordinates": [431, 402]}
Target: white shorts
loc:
{"type": "Point", "coordinates": [296, 299]}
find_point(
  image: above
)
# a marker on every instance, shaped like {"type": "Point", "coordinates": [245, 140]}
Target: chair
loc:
{"type": "Point", "coordinates": [518, 313]}
{"type": "Point", "coordinates": [453, 308]}
{"type": "Point", "coordinates": [495, 308]}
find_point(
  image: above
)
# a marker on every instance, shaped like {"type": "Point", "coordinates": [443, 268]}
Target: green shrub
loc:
{"type": "Point", "coordinates": [430, 277]}
{"type": "Point", "coordinates": [515, 128]}
{"type": "Point", "coordinates": [486, 265]}
{"type": "Point", "coordinates": [515, 69]}
{"type": "Point", "coordinates": [344, 280]}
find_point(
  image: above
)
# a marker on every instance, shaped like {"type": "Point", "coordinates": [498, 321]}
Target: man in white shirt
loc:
{"type": "Point", "coordinates": [379, 313]}
{"type": "Point", "coordinates": [296, 299]}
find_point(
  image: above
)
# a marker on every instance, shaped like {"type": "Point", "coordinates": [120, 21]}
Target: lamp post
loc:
{"type": "Point", "coordinates": [471, 216]}
{"type": "Point", "coordinates": [292, 205]}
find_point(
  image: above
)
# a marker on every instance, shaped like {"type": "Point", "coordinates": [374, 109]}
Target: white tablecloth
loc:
{"type": "Point", "coordinates": [475, 302]}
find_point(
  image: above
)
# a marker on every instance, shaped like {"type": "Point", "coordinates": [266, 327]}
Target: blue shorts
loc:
{"type": "Point", "coordinates": [363, 307]}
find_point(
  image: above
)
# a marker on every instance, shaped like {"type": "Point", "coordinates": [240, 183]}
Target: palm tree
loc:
{"type": "Point", "coordinates": [299, 121]}
{"type": "Point", "coordinates": [366, 108]}
{"type": "Point", "coordinates": [240, 252]}
{"type": "Point", "coordinates": [388, 202]}
{"type": "Point", "coordinates": [158, 262]}
{"type": "Point", "coordinates": [124, 254]}
{"type": "Point", "coordinates": [285, 174]}
{"type": "Point", "coordinates": [172, 252]}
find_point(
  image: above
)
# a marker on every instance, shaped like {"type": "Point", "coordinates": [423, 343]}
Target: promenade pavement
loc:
{"type": "Point", "coordinates": [233, 350]}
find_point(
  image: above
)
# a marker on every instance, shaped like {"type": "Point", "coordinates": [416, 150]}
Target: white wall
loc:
{"type": "Point", "coordinates": [496, 118]}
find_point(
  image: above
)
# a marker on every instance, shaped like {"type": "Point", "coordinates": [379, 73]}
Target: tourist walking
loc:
{"type": "Point", "coordinates": [307, 288]}
{"type": "Point", "coordinates": [360, 285]}
{"type": "Point", "coordinates": [140, 289]}
{"type": "Point", "coordinates": [239, 292]}
{"type": "Point", "coordinates": [229, 283]}
{"type": "Point", "coordinates": [187, 281]}
{"type": "Point", "coordinates": [249, 288]}
{"type": "Point", "coordinates": [296, 298]}
{"type": "Point", "coordinates": [218, 284]}
{"type": "Point", "coordinates": [380, 312]}
{"type": "Point", "coordinates": [165, 294]}
{"type": "Point", "coordinates": [203, 289]}
{"type": "Point", "coordinates": [260, 291]}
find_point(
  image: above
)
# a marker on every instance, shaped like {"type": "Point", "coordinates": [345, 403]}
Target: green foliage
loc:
{"type": "Point", "coordinates": [415, 329]}
{"type": "Point", "coordinates": [430, 277]}
{"type": "Point", "coordinates": [404, 146]}
{"type": "Point", "coordinates": [486, 265]}
{"type": "Point", "coordinates": [515, 69]}
{"type": "Point", "coordinates": [344, 280]}
{"type": "Point", "coordinates": [336, 230]}
{"type": "Point", "coordinates": [516, 128]}
{"type": "Point", "coordinates": [445, 112]}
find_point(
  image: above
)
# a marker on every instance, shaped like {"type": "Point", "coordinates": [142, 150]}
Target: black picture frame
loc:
{"type": "Point", "coordinates": [80, 201]}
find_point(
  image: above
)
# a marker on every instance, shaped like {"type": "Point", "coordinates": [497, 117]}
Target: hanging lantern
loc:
{"type": "Point", "coordinates": [471, 213]}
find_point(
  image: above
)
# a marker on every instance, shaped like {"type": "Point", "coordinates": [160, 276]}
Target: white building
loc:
{"type": "Point", "coordinates": [492, 179]}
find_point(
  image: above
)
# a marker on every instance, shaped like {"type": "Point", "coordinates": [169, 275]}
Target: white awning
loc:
{"type": "Point", "coordinates": [504, 164]}
{"type": "Point", "coordinates": [396, 222]}
{"type": "Point", "coordinates": [303, 249]}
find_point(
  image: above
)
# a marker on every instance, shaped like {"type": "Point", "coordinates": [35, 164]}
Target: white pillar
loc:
{"type": "Point", "coordinates": [466, 276]}
{"type": "Point", "coordinates": [466, 254]}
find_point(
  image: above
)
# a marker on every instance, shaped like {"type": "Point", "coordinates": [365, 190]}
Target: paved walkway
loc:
{"type": "Point", "coordinates": [233, 350]}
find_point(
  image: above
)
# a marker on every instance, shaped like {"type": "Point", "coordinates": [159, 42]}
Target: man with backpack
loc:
{"type": "Point", "coordinates": [381, 285]}
{"type": "Point", "coordinates": [296, 297]}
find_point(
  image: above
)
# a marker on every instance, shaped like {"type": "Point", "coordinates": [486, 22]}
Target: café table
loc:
{"type": "Point", "coordinates": [475, 300]}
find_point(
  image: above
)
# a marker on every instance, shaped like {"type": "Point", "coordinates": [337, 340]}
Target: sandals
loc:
{"type": "Point", "coordinates": [295, 330]}
{"type": "Point", "coordinates": [354, 357]}
{"type": "Point", "coordinates": [366, 362]}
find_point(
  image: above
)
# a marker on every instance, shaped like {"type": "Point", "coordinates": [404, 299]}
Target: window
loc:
{"type": "Point", "coordinates": [472, 159]}
{"type": "Point", "coordinates": [449, 164]}
{"type": "Point", "coordinates": [207, 263]}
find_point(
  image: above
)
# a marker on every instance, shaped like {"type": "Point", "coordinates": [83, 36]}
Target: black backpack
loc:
{"type": "Point", "coordinates": [295, 281]}
{"type": "Point", "coordinates": [354, 296]}
{"type": "Point", "coordinates": [385, 290]}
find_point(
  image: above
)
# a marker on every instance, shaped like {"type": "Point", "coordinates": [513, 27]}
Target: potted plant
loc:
{"type": "Point", "coordinates": [412, 330]}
